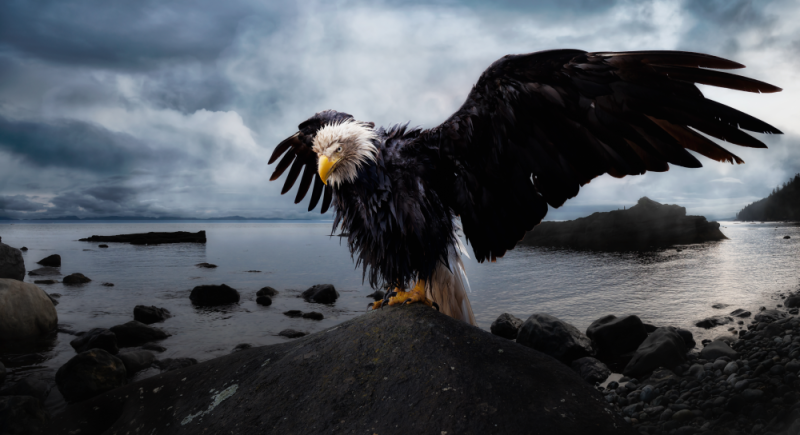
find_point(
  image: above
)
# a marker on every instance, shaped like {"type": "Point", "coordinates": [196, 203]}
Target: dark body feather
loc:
{"type": "Point", "coordinates": [533, 130]}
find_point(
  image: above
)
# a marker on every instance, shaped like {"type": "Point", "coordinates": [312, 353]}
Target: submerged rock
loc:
{"type": "Point", "coordinates": [313, 315]}
{"type": "Point", "coordinates": [267, 291]}
{"type": "Point", "coordinates": [150, 314]}
{"type": "Point", "coordinates": [291, 333]}
{"type": "Point", "coordinates": [51, 261]}
{"type": "Point", "coordinates": [554, 337]}
{"type": "Point", "coordinates": [513, 393]}
{"type": "Point", "coordinates": [135, 333]}
{"type": "Point", "coordinates": [89, 374]}
{"type": "Point", "coordinates": [212, 295]}
{"type": "Point", "coordinates": [75, 279]}
{"type": "Point", "coordinates": [44, 271]}
{"type": "Point", "coordinates": [25, 310]}
{"type": "Point", "coordinates": [321, 294]}
{"type": "Point", "coordinates": [97, 338]}
{"type": "Point", "coordinates": [12, 265]}
{"type": "Point", "coordinates": [713, 321]}
{"type": "Point", "coordinates": [206, 265]}
{"type": "Point", "coordinates": [506, 325]}
{"type": "Point", "coordinates": [45, 281]}
{"type": "Point", "coordinates": [264, 300]}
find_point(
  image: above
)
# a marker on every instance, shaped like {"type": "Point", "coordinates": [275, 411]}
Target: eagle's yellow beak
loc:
{"type": "Point", "coordinates": [325, 166]}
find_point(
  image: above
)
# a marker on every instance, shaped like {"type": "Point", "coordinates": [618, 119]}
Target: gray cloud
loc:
{"type": "Point", "coordinates": [19, 203]}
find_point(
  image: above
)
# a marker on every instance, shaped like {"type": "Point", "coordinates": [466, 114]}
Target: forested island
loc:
{"type": "Point", "coordinates": [783, 204]}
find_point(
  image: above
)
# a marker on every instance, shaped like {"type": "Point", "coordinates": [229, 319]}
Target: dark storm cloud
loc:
{"type": "Point", "coordinates": [719, 24]}
{"type": "Point", "coordinates": [19, 203]}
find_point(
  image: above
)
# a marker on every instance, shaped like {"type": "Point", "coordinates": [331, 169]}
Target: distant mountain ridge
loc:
{"type": "Point", "coordinates": [148, 218]}
{"type": "Point", "coordinates": [783, 204]}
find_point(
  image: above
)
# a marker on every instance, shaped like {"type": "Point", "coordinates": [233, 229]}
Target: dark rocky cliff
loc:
{"type": "Point", "coordinates": [405, 369]}
{"type": "Point", "coordinates": [647, 224]}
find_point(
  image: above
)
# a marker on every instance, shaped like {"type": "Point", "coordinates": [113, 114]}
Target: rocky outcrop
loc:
{"type": "Point", "coordinates": [554, 337]}
{"type": "Point", "coordinates": [96, 338]}
{"type": "Point", "coordinates": [321, 294]}
{"type": "Point", "coordinates": [12, 266]}
{"type": "Point", "coordinates": [613, 336]}
{"type": "Point", "coordinates": [170, 364]}
{"type": "Point", "coordinates": [151, 238]}
{"type": "Point", "coordinates": [136, 333]}
{"type": "Point", "coordinates": [459, 379]}
{"type": "Point", "coordinates": [50, 261]}
{"type": "Point", "coordinates": [150, 314]}
{"type": "Point", "coordinates": [75, 279]}
{"type": "Point", "coordinates": [28, 387]}
{"type": "Point", "coordinates": [663, 348]}
{"type": "Point", "coordinates": [89, 374]}
{"type": "Point", "coordinates": [647, 224]}
{"type": "Point", "coordinates": [25, 310]}
{"type": "Point", "coordinates": [506, 325]}
{"type": "Point", "coordinates": [22, 415]}
{"type": "Point", "coordinates": [212, 295]}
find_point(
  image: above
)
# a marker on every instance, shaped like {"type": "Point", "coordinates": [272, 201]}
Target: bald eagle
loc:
{"type": "Point", "coordinates": [533, 130]}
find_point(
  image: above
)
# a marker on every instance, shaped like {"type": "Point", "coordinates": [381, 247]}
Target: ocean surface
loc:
{"type": "Point", "coordinates": [663, 287]}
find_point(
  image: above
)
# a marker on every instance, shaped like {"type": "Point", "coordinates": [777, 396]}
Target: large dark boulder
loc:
{"type": "Point", "coordinates": [716, 349]}
{"type": "Point", "coordinates": [12, 265]}
{"type": "Point", "coordinates": [554, 337]}
{"type": "Point", "coordinates": [50, 261]}
{"type": "Point", "coordinates": [25, 310]}
{"type": "Point", "coordinates": [613, 336]}
{"type": "Point", "coordinates": [97, 338]}
{"type": "Point", "coordinates": [590, 369]}
{"type": "Point", "coordinates": [713, 321]}
{"type": "Point", "coordinates": [75, 279]}
{"type": "Point", "coordinates": [89, 374]}
{"type": "Point", "coordinates": [769, 316]}
{"type": "Point", "coordinates": [267, 291]}
{"type": "Point", "coordinates": [506, 326]}
{"type": "Point", "coordinates": [136, 360]}
{"type": "Point", "coordinates": [135, 333]}
{"type": "Point", "coordinates": [792, 301]}
{"type": "Point", "coordinates": [644, 225]}
{"type": "Point", "coordinates": [22, 415]}
{"type": "Point", "coordinates": [212, 295]}
{"type": "Point", "coordinates": [170, 364]}
{"type": "Point", "coordinates": [333, 381]}
{"type": "Point", "coordinates": [28, 387]}
{"type": "Point", "coordinates": [321, 294]}
{"type": "Point", "coordinates": [663, 348]}
{"type": "Point", "coordinates": [150, 314]}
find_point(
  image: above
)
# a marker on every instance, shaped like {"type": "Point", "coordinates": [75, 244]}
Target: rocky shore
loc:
{"type": "Point", "coordinates": [645, 225]}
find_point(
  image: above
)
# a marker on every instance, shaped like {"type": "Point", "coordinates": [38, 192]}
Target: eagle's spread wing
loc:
{"type": "Point", "coordinates": [300, 155]}
{"type": "Point", "coordinates": [538, 126]}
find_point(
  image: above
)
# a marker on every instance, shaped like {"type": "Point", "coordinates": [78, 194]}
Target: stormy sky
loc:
{"type": "Point", "coordinates": [158, 108]}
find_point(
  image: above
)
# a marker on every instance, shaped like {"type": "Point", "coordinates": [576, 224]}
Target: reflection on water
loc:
{"type": "Point", "coordinates": [663, 287]}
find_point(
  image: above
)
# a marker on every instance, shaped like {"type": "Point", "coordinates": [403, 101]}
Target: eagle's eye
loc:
{"type": "Point", "coordinates": [338, 150]}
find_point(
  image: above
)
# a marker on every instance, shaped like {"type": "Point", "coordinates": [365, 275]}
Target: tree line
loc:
{"type": "Point", "coordinates": [783, 204]}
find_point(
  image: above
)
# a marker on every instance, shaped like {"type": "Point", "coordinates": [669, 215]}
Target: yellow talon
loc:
{"type": "Point", "coordinates": [377, 304]}
{"type": "Point", "coordinates": [417, 294]}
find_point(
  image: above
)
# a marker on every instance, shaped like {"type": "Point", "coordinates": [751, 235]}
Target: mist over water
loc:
{"type": "Point", "coordinates": [664, 287]}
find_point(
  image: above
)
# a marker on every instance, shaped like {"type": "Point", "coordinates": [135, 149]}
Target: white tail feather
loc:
{"type": "Point", "coordinates": [449, 287]}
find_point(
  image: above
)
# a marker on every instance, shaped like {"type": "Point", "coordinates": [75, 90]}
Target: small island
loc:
{"type": "Point", "coordinates": [152, 238]}
{"type": "Point", "coordinates": [645, 225]}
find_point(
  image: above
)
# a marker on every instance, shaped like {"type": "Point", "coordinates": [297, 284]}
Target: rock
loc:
{"type": "Point", "coordinates": [663, 348]}
{"type": "Point", "coordinates": [590, 369]}
{"type": "Point", "coordinates": [291, 333]}
{"type": "Point", "coordinates": [506, 326]}
{"type": "Point", "coordinates": [720, 306]}
{"type": "Point", "coordinates": [211, 295]}
{"type": "Point", "coordinates": [740, 313]}
{"type": "Point", "coordinates": [253, 271]}
{"type": "Point", "coordinates": [107, 284]}
{"type": "Point", "coordinates": [730, 368]}
{"type": "Point", "coordinates": [44, 271]}
{"type": "Point", "coordinates": [710, 322]}
{"type": "Point", "coordinates": [45, 281]}
{"type": "Point", "coordinates": [614, 336]}
{"type": "Point", "coordinates": [102, 246]}
{"type": "Point", "coordinates": [267, 291]}
{"type": "Point", "coordinates": [12, 265]}
{"type": "Point", "coordinates": [768, 316]}
{"type": "Point", "coordinates": [792, 301]}
{"type": "Point", "coordinates": [135, 333]}
{"type": "Point", "coordinates": [152, 238]}
{"type": "Point", "coordinates": [377, 295]}
{"type": "Point", "coordinates": [646, 224]}
{"type": "Point", "coordinates": [170, 364]}
{"type": "Point", "coordinates": [88, 374]}
{"type": "Point", "coordinates": [648, 394]}
{"type": "Point", "coordinates": [206, 265]}
{"type": "Point", "coordinates": [649, 328]}
{"type": "Point", "coordinates": [22, 415]}
{"type": "Point", "coordinates": [716, 349]}
{"type": "Point", "coordinates": [556, 338]}
{"type": "Point", "coordinates": [51, 261]}
{"type": "Point", "coordinates": [154, 347]}
{"type": "Point", "coordinates": [231, 388]}
{"type": "Point", "coordinates": [787, 237]}
{"type": "Point", "coordinates": [23, 249]}
{"type": "Point", "coordinates": [151, 314]}
{"type": "Point", "coordinates": [136, 360]}
{"type": "Point", "coordinates": [28, 387]}
{"type": "Point", "coordinates": [25, 310]}
{"type": "Point", "coordinates": [321, 294]}
{"type": "Point", "coordinates": [52, 299]}
{"type": "Point", "coordinates": [293, 313]}
{"type": "Point", "coordinates": [313, 315]}
{"type": "Point", "coordinates": [75, 279]}
{"type": "Point", "coordinates": [751, 395]}
{"type": "Point", "coordinates": [264, 300]}
{"type": "Point", "coordinates": [97, 338]}
{"type": "Point", "coordinates": [687, 337]}
{"type": "Point", "coordinates": [242, 346]}
{"type": "Point", "coordinates": [2, 373]}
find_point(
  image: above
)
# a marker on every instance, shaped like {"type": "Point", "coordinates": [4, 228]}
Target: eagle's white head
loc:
{"type": "Point", "coordinates": [342, 148]}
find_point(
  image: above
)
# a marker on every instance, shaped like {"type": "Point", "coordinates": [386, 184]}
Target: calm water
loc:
{"type": "Point", "coordinates": [664, 287]}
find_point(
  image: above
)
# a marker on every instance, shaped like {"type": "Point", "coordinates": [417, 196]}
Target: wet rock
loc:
{"type": "Point", "coordinates": [136, 360]}
{"type": "Point", "coordinates": [291, 333]}
{"type": "Point", "coordinates": [267, 291]}
{"type": "Point", "coordinates": [154, 347]}
{"type": "Point", "coordinates": [150, 314]}
{"type": "Point", "coordinates": [28, 387]}
{"type": "Point", "coordinates": [170, 364]}
{"type": "Point", "coordinates": [12, 265]}
{"type": "Point", "coordinates": [740, 313]}
{"type": "Point", "coordinates": [313, 315]}
{"type": "Point", "coordinates": [50, 261]}
{"type": "Point", "coordinates": [44, 271]}
{"type": "Point", "coordinates": [212, 295]}
{"type": "Point", "coordinates": [663, 348]}
{"type": "Point", "coordinates": [236, 382]}
{"type": "Point", "coordinates": [711, 322]}
{"type": "Point", "coordinates": [23, 249]}
{"type": "Point", "coordinates": [242, 346]}
{"type": "Point", "coordinates": [206, 265]}
{"type": "Point", "coordinates": [264, 300]}
{"type": "Point", "coordinates": [321, 294]}
{"type": "Point", "coordinates": [25, 310]}
{"type": "Point", "coordinates": [45, 281]}
{"type": "Point", "coordinates": [615, 336]}
{"type": "Point", "coordinates": [97, 338]}
{"type": "Point", "coordinates": [768, 316]}
{"type": "Point", "coordinates": [135, 333]}
{"type": "Point", "coordinates": [687, 337]}
{"type": "Point", "coordinates": [22, 415]}
{"type": "Point", "coordinates": [2, 373]}
{"type": "Point", "coordinates": [506, 325]}
{"type": "Point", "coordinates": [107, 284]}
{"type": "Point", "coordinates": [52, 299]}
{"type": "Point", "coordinates": [720, 306]}
{"type": "Point", "coordinates": [716, 349]}
{"type": "Point", "coordinates": [556, 338]}
{"type": "Point", "coordinates": [90, 373]}
{"type": "Point", "coordinates": [102, 246]}
{"type": "Point", "coordinates": [75, 279]}
{"type": "Point", "coordinates": [787, 237]}
{"type": "Point", "coordinates": [590, 369]}
{"type": "Point", "coordinates": [792, 301]}
{"type": "Point", "coordinates": [377, 295]}
{"type": "Point", "coordinates": [293, 313]}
